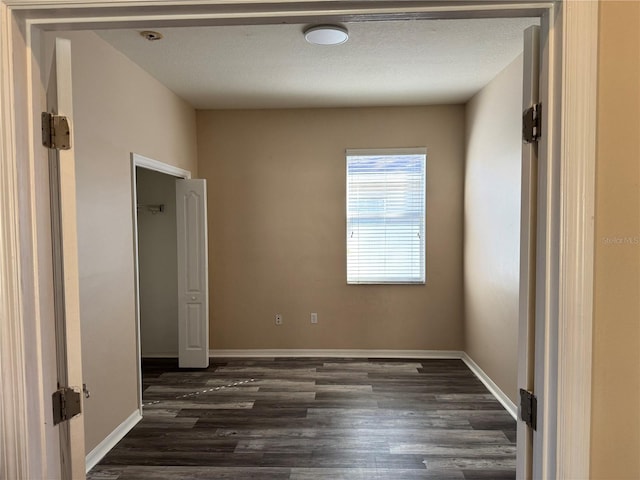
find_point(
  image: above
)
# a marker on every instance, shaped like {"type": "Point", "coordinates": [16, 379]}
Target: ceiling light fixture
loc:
{"type": "Point", "coordinates": [326, 35]}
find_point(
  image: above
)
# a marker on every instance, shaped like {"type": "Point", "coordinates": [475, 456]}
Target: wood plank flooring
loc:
{"type": "Point", "coordinates": [310, 419]}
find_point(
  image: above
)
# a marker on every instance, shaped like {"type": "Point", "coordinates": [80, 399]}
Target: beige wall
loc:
{"type": "Point", "coordinates": [277, 229]}
{"type": "Point", "coordinates": [118, 109]}
{"type": "Point", "coordinates": [492, 227]}
{"type": "Point", "coordinates": [158, 264]}
{"type": "Point", "coordinates": [615, 450]}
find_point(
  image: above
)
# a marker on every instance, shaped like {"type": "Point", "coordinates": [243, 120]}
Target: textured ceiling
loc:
{"type": "Point", "coordinates": [382, 64]}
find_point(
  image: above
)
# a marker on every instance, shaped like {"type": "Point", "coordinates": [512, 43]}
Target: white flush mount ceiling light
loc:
{"type": "Point", "coordinates": [326, 35]}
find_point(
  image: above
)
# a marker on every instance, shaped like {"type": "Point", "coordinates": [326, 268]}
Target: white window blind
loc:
{"type": "Point", "coordinates": [386, 216]}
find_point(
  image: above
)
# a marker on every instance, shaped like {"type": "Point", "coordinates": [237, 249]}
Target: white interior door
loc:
{"type": "Point", "coordinates": [62, 186]}
{"type": "Point", "coordinates": [193, 265]}
{"type": "Point", "coordinates": [528, 235]}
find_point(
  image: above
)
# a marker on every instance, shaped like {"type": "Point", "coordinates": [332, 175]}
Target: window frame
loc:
{"type": "Point", "coordinates": [353, 152]}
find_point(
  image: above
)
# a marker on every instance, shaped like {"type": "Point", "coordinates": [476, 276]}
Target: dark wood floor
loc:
{"type": "Point", "coordinates": [309, 419]}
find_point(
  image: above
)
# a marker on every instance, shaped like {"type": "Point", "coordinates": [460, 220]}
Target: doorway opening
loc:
{"type": "Point", "coordinates": [104, 34]}
{"type": "Point", "coordinates": [155, 258]}
{"type": "Point", "coordinates": [553, 60]}
{"type": "Point", "coordinates": [157, 263]}
{"type": "Point", "coordinates": [153, 210]}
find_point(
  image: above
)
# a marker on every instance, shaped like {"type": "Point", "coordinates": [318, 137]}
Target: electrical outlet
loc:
{"type": "Point", "coordinates": [278, 319]}
{"type": "Point", "coordinates": [314, 318]}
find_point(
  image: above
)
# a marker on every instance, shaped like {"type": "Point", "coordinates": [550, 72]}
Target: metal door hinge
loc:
{"type": "Point", "coordinates": [55, 131]}
{"type": "Point", "coordinates": [531, 123]}
{"type": "Point", "coordinates": [66, 405]}
{"type": "Point", "coordinates": [528, 408]}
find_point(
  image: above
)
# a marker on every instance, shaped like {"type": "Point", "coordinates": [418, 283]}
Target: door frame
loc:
{"type": "Point", "coordinates": [62, 203]}
{"type": "Point", "coordinates": [570, 56]}
{"type": "Point", "coordinates": [141, 161]}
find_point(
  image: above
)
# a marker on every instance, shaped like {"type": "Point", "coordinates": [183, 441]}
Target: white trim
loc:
{"type": "Point", "coordinates": [151, 164]}
{"type": "Point", "coordinates": [547, 239]}
{"type": "Point", "coordinates": [175, 14]}
{"type": "Point", "coordinates": [136, 277]}
{"type": "Point", "coordinates": [14, 408]}
{"type": "Point", "coordinates": [491, 386]}
{"type": "Point", "coordinates": [98, 453]}
{"type": "Point", "coordinates": [528, 225]}
{"type": "Point", "coordinates": [26, 450]}
{"type": "Point", "coordinates": [367, 152]}
{"type": "Point", "coordinates": [333, 353]}
{"type": "Point", "coordinates": [575, 309]}
{"type": "Point", "coordinates": [437, 7]}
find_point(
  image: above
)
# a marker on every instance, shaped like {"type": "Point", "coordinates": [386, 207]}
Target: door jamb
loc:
{"type": "Point", "coordinates": [161, 167]}
{"type": "Point", "coordinates": [575, 152]}
{"type": "Point", "coordinates": [572, 79]}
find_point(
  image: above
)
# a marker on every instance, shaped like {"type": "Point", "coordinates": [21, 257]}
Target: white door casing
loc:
{"type": "Point", "coordinates": [65, 264]}
{"type": "Point", "coordinates": [140, 161]}
{"type": "Point", "coordinates": [193, 289]}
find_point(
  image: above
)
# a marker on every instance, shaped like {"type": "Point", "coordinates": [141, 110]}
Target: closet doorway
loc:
{"type": "Point", "coordinates": [157, 263]}
{"type": "Point", "coordinates": [170, 249]}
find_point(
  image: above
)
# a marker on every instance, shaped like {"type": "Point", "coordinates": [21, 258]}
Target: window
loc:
{"type": "Point", "coordinates": [386, 216]}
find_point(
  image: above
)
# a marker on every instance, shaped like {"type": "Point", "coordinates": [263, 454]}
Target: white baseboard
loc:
{"type": "Point", "coordinates": [93, 457]}
{"type": "Point", "coordinates": [335, 353]}
{"type": "Point", "coordinates": [491, 386]}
